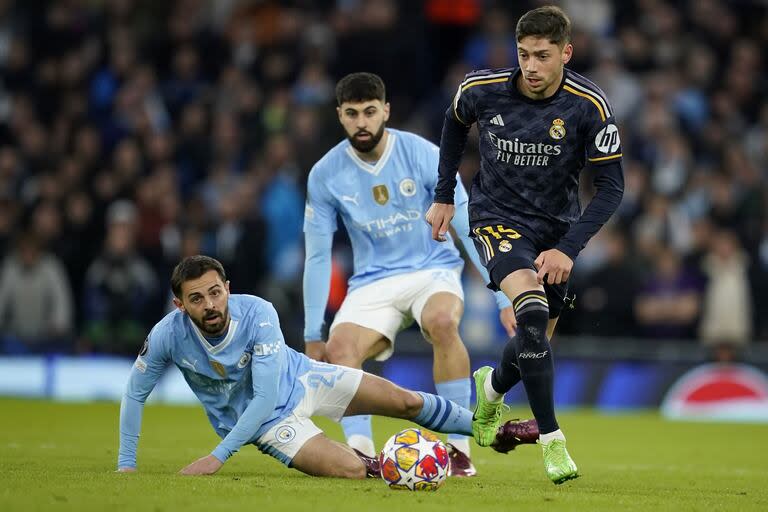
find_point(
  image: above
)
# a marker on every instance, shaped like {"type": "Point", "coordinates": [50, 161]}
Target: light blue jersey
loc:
{"type": "Point", "coordinates": [382, 206]}
{"type": "Point", "coordinates": [247, 380]}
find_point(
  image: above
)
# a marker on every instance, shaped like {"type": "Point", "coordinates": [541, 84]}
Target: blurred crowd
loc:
{"type": "Point", "coordinates": [133, 133]}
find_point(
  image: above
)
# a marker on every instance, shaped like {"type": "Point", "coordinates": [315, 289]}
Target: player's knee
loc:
{"type": "Point", "coordinates": [343, 351]}
{"type": "Point", "coordinates": [441, 326]}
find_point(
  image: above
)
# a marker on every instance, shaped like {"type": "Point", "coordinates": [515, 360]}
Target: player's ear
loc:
{"type": "Point", "coordinates": [386, 111]}
{"type": "Point", "coordinates": [339, 113]}
{"type": "Point", "coordinates": [226, 286]}
{"type": "Point", "coordinates": [567, 53]}
{"type": "Point", "coordinates": [179, 305]}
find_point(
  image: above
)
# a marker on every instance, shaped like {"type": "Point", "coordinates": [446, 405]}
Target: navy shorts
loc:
{"type": "Point", "coordinates": [505, 250]}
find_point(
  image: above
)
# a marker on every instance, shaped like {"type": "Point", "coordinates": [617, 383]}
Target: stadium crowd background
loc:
{"type": "Point", "coordinates": [133, 133]}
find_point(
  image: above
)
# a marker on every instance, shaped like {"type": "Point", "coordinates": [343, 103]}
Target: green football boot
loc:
{"type": "Point", "coordinates": [487, 418]}
{"type": "Point", "coordinates": [558, 464]}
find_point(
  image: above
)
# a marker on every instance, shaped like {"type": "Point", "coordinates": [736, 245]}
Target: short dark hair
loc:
{"type": "Point", "coordinates": [193, 267]}
{"type": "Point", "coordinates": [359, 87]}
{"type": "Point", "coordinates": [548, 21]}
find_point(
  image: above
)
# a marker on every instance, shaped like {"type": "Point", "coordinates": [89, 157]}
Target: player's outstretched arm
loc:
{"type": "Point", "coordinates": [317, 286]}
{"type": "Point", "coordinates": [147, 370]}
{"type": "Point", "coordinates": [265, 372]}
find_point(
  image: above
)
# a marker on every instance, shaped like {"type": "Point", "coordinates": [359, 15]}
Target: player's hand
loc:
{"type": "Point", "coordinates": [439, 217]}
{"type": "Point", "coordinates": [207, 465]}
{"type": "Point", "coordinates": [316, 350]}
{"type": "Point", "coordinates": [555, 265]}
{"type": "Point", "coordinates": [125, 470]}
{"type": "Point", "coordinates": [508, 320]}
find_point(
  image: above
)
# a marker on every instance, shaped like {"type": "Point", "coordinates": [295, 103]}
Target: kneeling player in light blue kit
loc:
{"type": "Point", "coordinates": [257, 390]}
{"type": "Point", "coordinates": [380, 181]}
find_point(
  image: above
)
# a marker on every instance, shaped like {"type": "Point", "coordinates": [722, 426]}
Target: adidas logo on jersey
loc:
{"type": "Point", "coordinates": [497, 120]}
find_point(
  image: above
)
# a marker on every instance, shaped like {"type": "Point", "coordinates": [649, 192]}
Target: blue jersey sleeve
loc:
{"type": "Point", "coordinates": [317, 282]}
{"type": "Point", "coordinates": [319, 212]}
{"type": "Point", "coordinates": [266, 365]}
{"type": "Point", "coordinates": [150, 365]}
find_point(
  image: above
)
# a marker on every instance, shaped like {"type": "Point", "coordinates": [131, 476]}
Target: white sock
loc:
{"type": "Point", "coordinates": [491, 393]}
{"type": "Point", "coordinates": [461, 444]}
{"type": "Point", "coordinates": [363, 444]}
{"type": "Point", "coordinates": [546, 438]}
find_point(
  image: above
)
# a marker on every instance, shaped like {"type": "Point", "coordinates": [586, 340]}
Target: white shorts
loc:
{"type": "Point", "coordinates": [328, 390]}
{"type": "Point", "coordinates": [391, 304]}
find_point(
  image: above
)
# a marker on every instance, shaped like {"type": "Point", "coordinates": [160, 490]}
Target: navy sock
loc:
{"type": "Point", "coordinates": [534, 357]}
{"type": "Point", "coordinates": [506, 374]}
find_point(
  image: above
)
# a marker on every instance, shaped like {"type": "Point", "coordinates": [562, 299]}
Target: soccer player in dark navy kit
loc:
{"type": "Point", "coordinates": [539, 124]}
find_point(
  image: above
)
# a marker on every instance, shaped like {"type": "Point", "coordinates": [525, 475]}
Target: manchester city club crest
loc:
{"type": "Point", "coordinates": [244, 360]}
{"type": "Point", "coordinates": [381, 194]}
{"type": "Point", "coordinates": [408, 187]}
{"type": "Point", "coordinates": [285, 434]}
{"type": "Point", "coordinates": [557, 130]}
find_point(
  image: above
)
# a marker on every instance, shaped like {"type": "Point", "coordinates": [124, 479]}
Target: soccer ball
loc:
{"type": "Point", "coordinates": [414, 460]}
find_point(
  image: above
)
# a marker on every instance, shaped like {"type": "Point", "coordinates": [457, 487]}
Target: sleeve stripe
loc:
{"type": "Point", "coordinates": [591, 92]}
{"type": "Point", "coordinates": [600, 159]}
{"type": "Point", "coordinates": [483, 82]}
{"type": "Point", "coordinates": [487, 247]}
{"type": "Point", "coordinates": [590, 98]}
{"type": "Point", "coordinates": [456, 106]}
{"type": "Point", "coordinates": [485, 77]}
{"type": "Point", "coordinates": [489, 78]}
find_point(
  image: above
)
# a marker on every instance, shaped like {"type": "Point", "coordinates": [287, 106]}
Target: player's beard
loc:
{"type": "Point", "coordinates": [366, 146]}
{"type": "Point", "coordinates": [213, 329]}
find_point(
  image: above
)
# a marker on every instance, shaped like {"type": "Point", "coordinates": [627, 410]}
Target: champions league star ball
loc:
{"type": "Point", "coordinates": [414, 460]}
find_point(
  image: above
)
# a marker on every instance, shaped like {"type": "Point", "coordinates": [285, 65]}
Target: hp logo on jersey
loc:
{"type": "Point", "coordinates": [607, 139]}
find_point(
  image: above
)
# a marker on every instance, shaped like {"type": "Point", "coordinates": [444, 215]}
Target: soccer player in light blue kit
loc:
{"type": "Point", "coordinates": [257, 390]}
{"type": "Point", "coordinates": [380, 181]}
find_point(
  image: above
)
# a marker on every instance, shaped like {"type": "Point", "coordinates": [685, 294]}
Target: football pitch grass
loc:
{"type": "Point", "coordinates": [57, 456]}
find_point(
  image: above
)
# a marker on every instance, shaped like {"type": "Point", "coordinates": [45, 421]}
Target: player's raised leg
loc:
{"type": "Point", "coordinates": [350, 345]}
{"type": "Point", "coordinates": [375, 395]}
{"type": "Point", "coordinates": [536, 366]}
{"type": "Point", "coordinates": [439, 321]}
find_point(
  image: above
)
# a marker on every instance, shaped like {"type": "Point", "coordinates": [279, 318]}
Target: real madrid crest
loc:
{"type": "Point", "coordinates": [408, 187]}
{"type": "Point", "coordinates": [505, 246]}
{"type": "Point", "coordinates": [380, 194]}
{"type": "Point", "coordinates": [557, 130]}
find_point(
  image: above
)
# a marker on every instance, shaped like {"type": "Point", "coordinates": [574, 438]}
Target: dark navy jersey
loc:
{"type": "Point", "coordinates": [532, 151]}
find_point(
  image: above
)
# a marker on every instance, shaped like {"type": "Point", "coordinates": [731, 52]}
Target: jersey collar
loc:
{"type": "Point", "coordinates": [215, 349]}
{"type": "Point", "coordinates": [374, 169]}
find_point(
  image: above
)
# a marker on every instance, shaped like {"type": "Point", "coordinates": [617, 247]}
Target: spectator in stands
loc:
{"type": "Point", "coordinates": [121, 289]}
{"type": "Point", "coordinates": [36, 305]}
{"type": "Point", "coordinates": [726, 320]}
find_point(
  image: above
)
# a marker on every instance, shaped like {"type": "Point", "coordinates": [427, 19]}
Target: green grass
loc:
{"type": "Point", "coordinates": [62, 457]}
